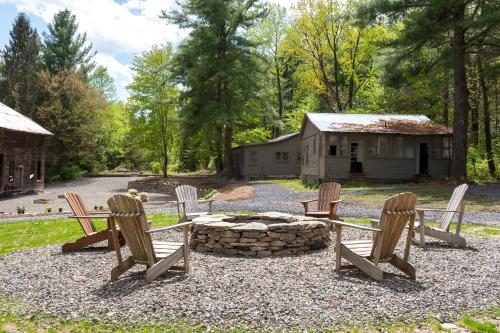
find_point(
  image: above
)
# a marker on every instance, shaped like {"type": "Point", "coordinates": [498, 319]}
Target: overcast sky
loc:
{"type": "Point", "coordinates": [118, 29]}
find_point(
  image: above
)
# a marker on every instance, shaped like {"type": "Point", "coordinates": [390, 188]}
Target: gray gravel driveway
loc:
{"type": "Point", "coordinates": [272, 197]}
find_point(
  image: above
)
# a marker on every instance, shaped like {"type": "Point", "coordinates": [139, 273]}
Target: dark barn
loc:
{"type": "Point", "coordinates": [22, 153]}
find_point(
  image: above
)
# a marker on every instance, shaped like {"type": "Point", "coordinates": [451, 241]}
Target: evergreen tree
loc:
{"type": "Point", "coordinates": [64, 48]}
{"type": "Point", "coordinates": [19, 70]}
{"type": "Point", "coordinates": [451, 27]}
{"type": "Point", "coordinates": [101, 80]}
{"type": "Point", "coordinates": [218, 67]}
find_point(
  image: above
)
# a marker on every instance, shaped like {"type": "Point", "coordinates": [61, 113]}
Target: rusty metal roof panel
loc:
{"type": "Point", "coordinates": [14, 121]}
{"type": "Point", "coordinates": [375, 123]}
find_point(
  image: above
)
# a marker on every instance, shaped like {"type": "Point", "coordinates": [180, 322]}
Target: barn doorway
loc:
{"type": "Point", "coordinates": [21, 178]}
{"type": "Point", "coordinates": [423, 164]}
{"type": "Point", "coordinates": [356, 157]}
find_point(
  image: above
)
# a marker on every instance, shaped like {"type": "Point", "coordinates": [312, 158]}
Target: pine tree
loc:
{"type": "Point", "coordinates": [64, 48]}
{"type": "Point", "coordinates": [218, 67]}
{"type": "Point", "coordinates": [451, 27]}
{"type": "Point", "coordinates": [101, 80]}
{"type": "Point", "coordinates": [19, 71]}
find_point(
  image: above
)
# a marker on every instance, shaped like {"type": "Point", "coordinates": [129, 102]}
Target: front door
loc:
{"type": "Point", "coordinates": [423, 155]}
{"type": "Point", "coordinates": [356, 157]}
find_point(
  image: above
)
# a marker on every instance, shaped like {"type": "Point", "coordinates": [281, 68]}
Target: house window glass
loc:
{"type": "Point", "coordinates": [441, 148]}
{"type": "Point", "coordinates": [378, 146]}
{"type": "Point", "coordinates": [338, 146]}
{"type": "Point", "coordinates": [281, 156]}
{"type": "Point", "coordinates": [344, 146]}
{"type": "Point", "coordinates": [403, 148]}
{"type": "Point", "coordinates": [252, 161]}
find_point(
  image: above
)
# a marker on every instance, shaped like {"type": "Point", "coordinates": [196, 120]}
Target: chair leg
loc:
{"type": "Point", "coordinates": [120, 269]}
{"type": "Point", "coordinates": [85, 241]}
{"type": "Point", "coordinates": [363, 264]}
{"type": "Point", "coordinates": [338, 248]}
{"type": "Point", "coordinates": [403, 266]}
{"type": "Point", "coordinates": [421, 228]}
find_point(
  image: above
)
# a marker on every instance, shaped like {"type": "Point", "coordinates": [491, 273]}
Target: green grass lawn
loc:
{"type": "Point", "coordinates": [28, 234]}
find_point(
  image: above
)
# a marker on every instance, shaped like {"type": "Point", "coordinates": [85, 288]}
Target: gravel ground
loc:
{"type": "Point", "coordinates": [272, 197]}
{"type": "Point", "coordinates": [281, 292]}
{"type": "Point", "coordinates": [93, 190]}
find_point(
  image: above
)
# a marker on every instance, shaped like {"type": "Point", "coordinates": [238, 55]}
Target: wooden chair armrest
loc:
{"type": "Point", "coordinates": [437, 210]}
{"type": "Point", "coordinates": [336, 201]}
{"type": "Point", "coordinates": [88, 216]}
{"type": "Point", "coordinates": [361, 227]}
{"type": "Point", "coordinates": [206, 200]}
{"type": "Point", "coordinates": [169, 227]}
{"type": "Point", "coordinates": [308, 201]}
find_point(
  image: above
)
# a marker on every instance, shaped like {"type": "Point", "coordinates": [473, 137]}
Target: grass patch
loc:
{"type": "Point", "coordinates": [35, 233]}
{"type": "Point", "coordinates": [477, 326]}
{"type": "Point", "coordinates": [428, 196]}
{"type": "Point", "coordinates": [13, 318]}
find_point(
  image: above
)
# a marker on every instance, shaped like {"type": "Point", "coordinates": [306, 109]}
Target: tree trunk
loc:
{"type": "Point", "coordinates": [460, 101]}
{"type": "Point", "coordinates": [474, 111]}
{"type": "Point", "coordinates": [446, 105]}
{"type": "Point", "coordinates": [486, 114]}
{"type": "Point", "coordinates": [218, 149]}
{"type": "Point", "coordinates": [164, 146]}
{"type": "Point", "coordinates": [280, 95]}
{"type": "Point", "coordinates": [228, 158]}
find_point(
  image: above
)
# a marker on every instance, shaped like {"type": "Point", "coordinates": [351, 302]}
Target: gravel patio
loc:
{"type": "Point", "coordinates": [275, 292]}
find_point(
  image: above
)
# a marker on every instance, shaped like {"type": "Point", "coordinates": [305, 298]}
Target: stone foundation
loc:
{"type": "Point", "coordinates": [265, 234]}
{"type": "Point", "coordinates": [155, 184]}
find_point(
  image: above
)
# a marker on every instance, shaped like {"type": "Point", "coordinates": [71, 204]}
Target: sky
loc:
{"type": "Point", "coordinates": [118, 29]}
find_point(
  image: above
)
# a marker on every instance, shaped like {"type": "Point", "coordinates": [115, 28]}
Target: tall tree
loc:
{"type": "Point", "coordinates": [339, 55]}
{"type": "Point", "coordinates": [21, 63]}
{"type": "Point", "coordinates": [270, 34]}
{"type": "Point", "coordinates": [101, 80]}
{"type": "Point", "coordinates": [153, 104]}
{"type": "Point", "coordinates": [217, 66]}
{"type": "Point", "coordinates": [64, 48]}
{"type": "Point", "coordinates": [453, 26]}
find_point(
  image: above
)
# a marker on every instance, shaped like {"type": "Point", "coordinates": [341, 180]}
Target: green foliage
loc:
{"type": "Point", "coordinates": [476, 326]}
{"type": "Point", "coordinates": [68, 110]}
{"type": "Point", "coordinates": [153, 107]}
{"type": "Point", "coordinates": [477, 164]}
{"type": "Point", "coordinates": [218, 67]}
{"type": "Point", "coordinates": [64, 48]}
{"type": "Point", "coordinates": [103, 82]}
{"type": "Point", "coordinates": [253, 135]}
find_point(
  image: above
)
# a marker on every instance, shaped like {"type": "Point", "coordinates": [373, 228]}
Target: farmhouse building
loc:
{"type": "Point", "coordinates": [278, 157]}
{"type": "Point", "coordinates": [22, 153]}
{"type": "Point", "coordinates": [384, 147]}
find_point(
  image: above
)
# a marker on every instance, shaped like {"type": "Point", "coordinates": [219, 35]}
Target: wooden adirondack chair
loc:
{"type": "Point", "coordinates": [328, 200]}
{"type": "Point", "coordinates": [128, 214]}
{"type": "Point", "coordinates": [455, 206]}
{"type": "Point", "coordinates": [85, 219]}
{"type": "Point", "coordinates": [187, 203]}
{"type": "Point", "coordinates": [367, 254]}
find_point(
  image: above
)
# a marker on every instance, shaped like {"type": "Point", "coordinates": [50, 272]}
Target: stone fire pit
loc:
{"type": "Point", "coordinates": [263, 234]}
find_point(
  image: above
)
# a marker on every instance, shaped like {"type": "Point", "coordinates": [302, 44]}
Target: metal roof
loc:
{"type": "Point", "coordinates": [14, 121]}
{"type": "Point", "coordinates": [276, 140]}
{"type": "Point", "coordinates": [376, 123]}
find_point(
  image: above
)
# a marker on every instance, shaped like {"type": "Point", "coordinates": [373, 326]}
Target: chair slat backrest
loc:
{"type": "Point", "coordinates": [128, 214]}
{"type": "Point", "coordinates": [397, 211]}
{"type": "Point", "coordinates": [328, 192]}
{"type": "Point", "coordinates": [76, 204]}
{"type": "Point", "coordinates": [189, 195]}
{"type": "Point", "coordinates": [454, 204]}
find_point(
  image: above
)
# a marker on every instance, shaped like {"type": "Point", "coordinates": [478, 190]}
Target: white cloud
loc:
{"type": "Point", "coordinates": [116, 29]}
{"type": "Point", "coordinates": [121, 73]}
